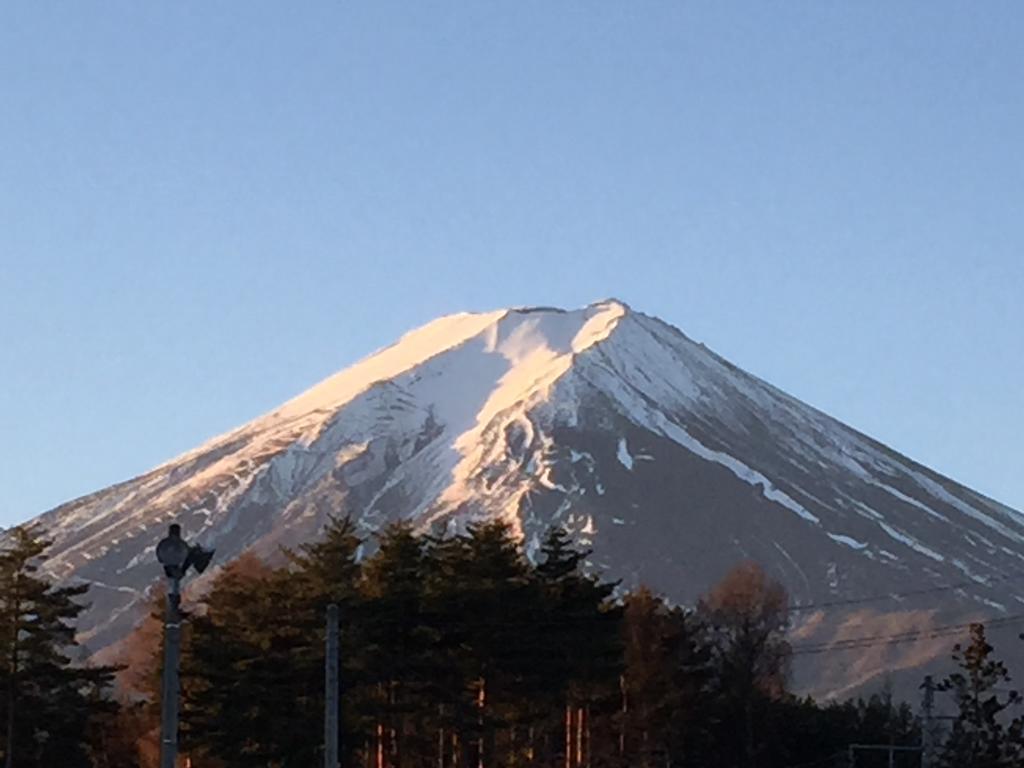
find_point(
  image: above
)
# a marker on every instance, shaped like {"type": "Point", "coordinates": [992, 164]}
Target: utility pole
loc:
{"type": "Point", "coordinates": [171, 684]}
{"type": "Point", "coordinates": [927, 722]}
{"type": "Point", "coordinates": [331, 698]}
{"type": "Point", "coordinates": [176, 557]}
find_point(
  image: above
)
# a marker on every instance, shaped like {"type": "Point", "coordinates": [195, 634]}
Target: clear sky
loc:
{"type": "Point", "coordinates": [206, 207]}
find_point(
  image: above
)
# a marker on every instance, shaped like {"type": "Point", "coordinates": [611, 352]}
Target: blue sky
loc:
{"type": "Point", "coordinates": [206, 207]}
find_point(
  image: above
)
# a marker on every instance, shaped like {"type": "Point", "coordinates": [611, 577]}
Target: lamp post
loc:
{"type": "Point", "coordinates": [176, 556]}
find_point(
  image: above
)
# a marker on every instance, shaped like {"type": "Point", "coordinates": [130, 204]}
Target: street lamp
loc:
{"type": "Point", "coordinates": [176, 556]}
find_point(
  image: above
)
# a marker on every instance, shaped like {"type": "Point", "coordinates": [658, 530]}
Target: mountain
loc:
{"type": "Point", "coordinates": [671, 463]}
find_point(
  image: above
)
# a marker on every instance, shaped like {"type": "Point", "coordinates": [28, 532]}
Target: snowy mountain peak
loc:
{"type": "Point", "coordinates": [533, 338]}
{"type": "Point", "coordinates": [671, 463]}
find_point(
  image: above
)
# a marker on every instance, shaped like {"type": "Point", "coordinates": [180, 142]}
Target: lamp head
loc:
{"type": "Point", "coordinates": [198, 558]}
{"type": "Point", "coordinates": [172, 552]}
{"type": "Point", "coordinates": [176, 556]}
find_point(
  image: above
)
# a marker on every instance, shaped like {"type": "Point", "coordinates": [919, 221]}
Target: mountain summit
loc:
{"type": "Point", "coordinates": [669, 462]}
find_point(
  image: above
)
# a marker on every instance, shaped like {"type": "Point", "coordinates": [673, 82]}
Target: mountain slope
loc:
{"type": "Point", "coordinates": [671, 463]}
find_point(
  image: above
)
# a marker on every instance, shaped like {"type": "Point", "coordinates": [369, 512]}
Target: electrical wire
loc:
{"type": "Point", "coordinates": [804, 607]}
{"type": "Point", "coordinates": [931, 633]}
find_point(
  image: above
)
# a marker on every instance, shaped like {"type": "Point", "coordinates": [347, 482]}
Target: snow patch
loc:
{"type": "Point", "coordinates": [907, 499]}
{"type": "Point", "coordinates": [940, 493]}
{"type": "Point", "coordinates": [848, 541]}
{"type": "Point", "coordinates": [623, 455]}
{"type": "Point", "coordinates": [911, 542]}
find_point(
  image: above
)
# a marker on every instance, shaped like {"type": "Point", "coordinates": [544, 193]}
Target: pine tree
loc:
{"type": "Point", "coordinates": [584, 643]}
{"type": "Point", "coordinates": [451, 667]}
{"type": "Point", "coordinates": [457, 653]}
{"type": "Point", "coordinates": [323, 572]}
{"type": "Point", "coordinates": [398, 639]}
{"type": "Point", "coordinates": [327, 570]}
{"type": "Point", "coordinates": [983, 735]}
{"type": "Point", "coordinates": [115, 734]}
{"type": "Point", "coordinates": [47, 703]}
{"type": "Point", "coordinates": [248, 701]}
{"type": "Point", "coordinates": [252, 667]}
{"type": "Point", "coordinates": [480, 602]}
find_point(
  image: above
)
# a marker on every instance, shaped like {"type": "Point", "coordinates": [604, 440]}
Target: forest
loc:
{"type": "Point", "coordinates": [459, 652]}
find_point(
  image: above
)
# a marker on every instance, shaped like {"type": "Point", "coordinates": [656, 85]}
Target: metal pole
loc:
{"type": "Point", "coordinates": [169, 708]}
{"type": "Point", "coordinates": [331, 690]}
{"type": "Point", "coordinates": [927, 724]}
{"type": "Point", "coordinates": [892, 733]}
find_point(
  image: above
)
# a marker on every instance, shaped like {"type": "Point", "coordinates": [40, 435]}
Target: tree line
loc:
{"type": "Point", "coordinates": [457, 652]}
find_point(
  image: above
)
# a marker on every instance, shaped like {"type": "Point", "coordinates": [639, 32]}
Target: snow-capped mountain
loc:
{"type": "Point", "coordinates": [668, 461]}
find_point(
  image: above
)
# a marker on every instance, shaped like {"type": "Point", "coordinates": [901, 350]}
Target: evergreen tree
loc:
{"type": "Point", "coordinates": [115, 735]}
{"type": "Point", "coordinates": [47, 703]}
{"type": "Point", "coordinates": [253, 660]}
{"type": "Point", "coordinates": [398, 638]}
{"type": "Point", "coordinates": [249, 701]}
{"type": "Point", "coordinates": [444, 559]}
{"type": "Point", "coordinates": [457, 652]}
{"type": "Point", "coordinates": [480, 598]}
{"type": "Point", "coordinates": [323, 572]}
{"type": "Point", "coordinates": [327, 570]}
{"type": "Point", "coordinates": [584, 642]}
{"type": "Point", "coordinates": [983, 735]}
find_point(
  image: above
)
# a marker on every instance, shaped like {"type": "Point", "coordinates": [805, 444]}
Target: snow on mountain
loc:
{"type": "Point", "coordinates": [670, 462]}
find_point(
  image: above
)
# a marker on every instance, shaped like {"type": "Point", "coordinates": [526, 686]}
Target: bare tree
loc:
{"type": "Point", "coordinates": [746, 616]}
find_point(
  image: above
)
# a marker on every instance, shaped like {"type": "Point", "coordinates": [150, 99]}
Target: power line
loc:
{"type": "Point", "coordinates": [932, 633]}
{"type": "Point", "coordinates": [799, 608]}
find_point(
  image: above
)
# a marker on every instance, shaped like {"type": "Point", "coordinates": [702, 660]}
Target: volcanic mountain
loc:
{"type": "Point", "coordinates": [666, 460]}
